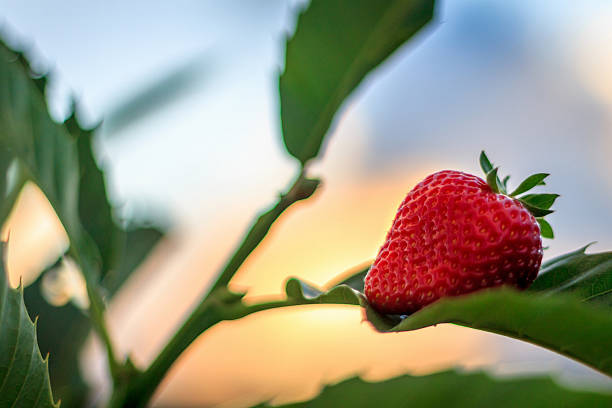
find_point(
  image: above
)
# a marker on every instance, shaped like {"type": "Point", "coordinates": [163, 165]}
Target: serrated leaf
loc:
{"type": "Point", "coordinates": [95, 210]}
{"type": "Point", "coordinates": [46, 153]}
{"type": "Point", "coordinates": [24, 375]}
{"type": "Point", "coordinates": [529, 183]}
{"type": "Point", "coordinates": [450, 389]}
{"type": "Point", "coordinates": [544, 201]}
{"type": "Point", "coordinates": [546, 230]}
{"type": "Point", "coordinates": [61, 332]}
{"type": "Point", "coordinates": [336, 44]}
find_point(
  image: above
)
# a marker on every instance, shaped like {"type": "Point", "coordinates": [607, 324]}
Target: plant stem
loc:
{"type": "Point", "coordinates": [96, 308]}
{"type": "Point", "coordinates": [301, 189]}
{"type": "Point", "coordinates": [96, 313]}
{"type": "Point", "coordinates": [208, 313]}
{"type": "Point", "coordinates": [212, 309]}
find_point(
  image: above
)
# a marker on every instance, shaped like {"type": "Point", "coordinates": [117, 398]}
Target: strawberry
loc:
{"type": "Point", "coordinates": [454, 234]}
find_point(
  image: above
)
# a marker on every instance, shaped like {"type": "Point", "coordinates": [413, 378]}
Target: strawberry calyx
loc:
{"type": "Point", "coordinates": [537, 204]}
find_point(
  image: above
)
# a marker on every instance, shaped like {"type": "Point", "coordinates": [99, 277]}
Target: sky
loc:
{"type": "Point", "coordinates": [528, 82]}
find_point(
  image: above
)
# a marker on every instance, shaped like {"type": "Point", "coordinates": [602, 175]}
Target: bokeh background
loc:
{"type": "Point", "coordinates": [190, 136]}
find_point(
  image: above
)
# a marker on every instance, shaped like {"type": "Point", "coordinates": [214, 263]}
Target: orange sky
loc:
{"type": "Point", "coordinates": [283, 354]}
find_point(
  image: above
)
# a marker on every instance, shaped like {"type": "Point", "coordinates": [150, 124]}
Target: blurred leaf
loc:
{"type": "Point", "coordinates": [46, 152]}
{"type": "Point", "coordinates": [451, 389]}
{"type": "Point", "coordinates": [139, 242]}
{"type": "Point", "coordinates": [544, 201]}
{"type": "Point", "coordinates": [529, 183]}
{"type": "Point", "coordinates": [336, 44]}
{"type": "Point", "coordinates": [24, 375]}
{"type": "Point", "coordinates": [586, 276]}
{"type": "Point", "coordinates": [95, 210]}
{"type": "Point", "coordinates": [545, 229]}
{"type": "Point", "coordinates": [172, 86]}
{"type": "Point", "coordinates": [9, 188]}
{"type": "Point", "coordinates": [559, 323]}
{"type": "Point", "coordinates": [61, 332]}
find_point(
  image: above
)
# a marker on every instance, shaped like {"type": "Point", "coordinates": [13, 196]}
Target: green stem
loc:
{"type": "Point", "coordinates": [96, 309]}
{"type": "Point", "coordinates": [202, 317]}
{"type": "Point", "coordinates": [209, 313]}
{"type": "Point", "coordinates": [96, 314]}
{"type": "Point", "coordinates": [301, 189]}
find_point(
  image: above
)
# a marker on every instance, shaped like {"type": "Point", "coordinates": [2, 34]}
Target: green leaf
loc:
{"type": "Point", "coordinates": [45, 151]}
{"type": "Point", "coordinates": [61, 332]}
{"type": "Point", "coordinates": [493, 180]}
{"type": "Point", "coordinates": [9, 188]}
{"type": "Point", "coordinates": [451, 389]}
{"type": "Point", "coordinates": [588, 277]}
{"type": "Point", "coordinates": [559, 323]}
{"type": "Point", "coordinates": [95, 210]}
{"type": "Point", "coordinates": [563, 257]}
{"type": "Point", "coordinates": [336, 44]}
{"type": "Point", "coordinates": [529, 183]}
{"type": "Point", "coordinates": [544, 201]}
{"type": "Point", "coordinates": [139, 242]}
{"type": "Point", "coordinates": [485, 163]}
{"type": "Point", "coordinates": [24, 375]}
{"type": "Point", "coordinates": [545, 229]}
{"type": "Point", "coordinates": [301, 293]}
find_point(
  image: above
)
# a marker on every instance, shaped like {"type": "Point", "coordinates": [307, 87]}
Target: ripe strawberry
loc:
{"type": "Point", "coordinates": [453, 234]}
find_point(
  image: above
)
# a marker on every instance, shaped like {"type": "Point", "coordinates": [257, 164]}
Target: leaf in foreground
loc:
{"type": "Point", "coordinates": [451, 389]}
{"type": "Point", "coordinates": [336, 44]}
{"type": "Point", "coordinates": [24, 375]}
{"type": "Point", "coordinates": [559, 323]}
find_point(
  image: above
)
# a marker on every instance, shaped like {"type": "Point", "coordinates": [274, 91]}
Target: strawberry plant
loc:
{"type": "Point", "coordinates": [462, 250]}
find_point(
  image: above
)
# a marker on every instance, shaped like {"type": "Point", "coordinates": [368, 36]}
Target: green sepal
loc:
{"type": "Point", "coordinates": [544, 201]}
{"type": "Point", "coordinates": [546, 230]}
{"type": "Point", "coordinates": [536, 211]}
{"type": "Point", "coordinates": [485, 163]}
{"type": "Point", "coordinates": [505, 182]}
{"type": "Point", "coordinates": [529, 183]}
{"type": "Point", "coordinates": [493, 181]}
{"type": "Point", "coordinates": [497, 185]}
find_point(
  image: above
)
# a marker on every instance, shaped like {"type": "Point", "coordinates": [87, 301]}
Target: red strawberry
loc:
{"type": "Point", "coordinates": [454, 234]}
